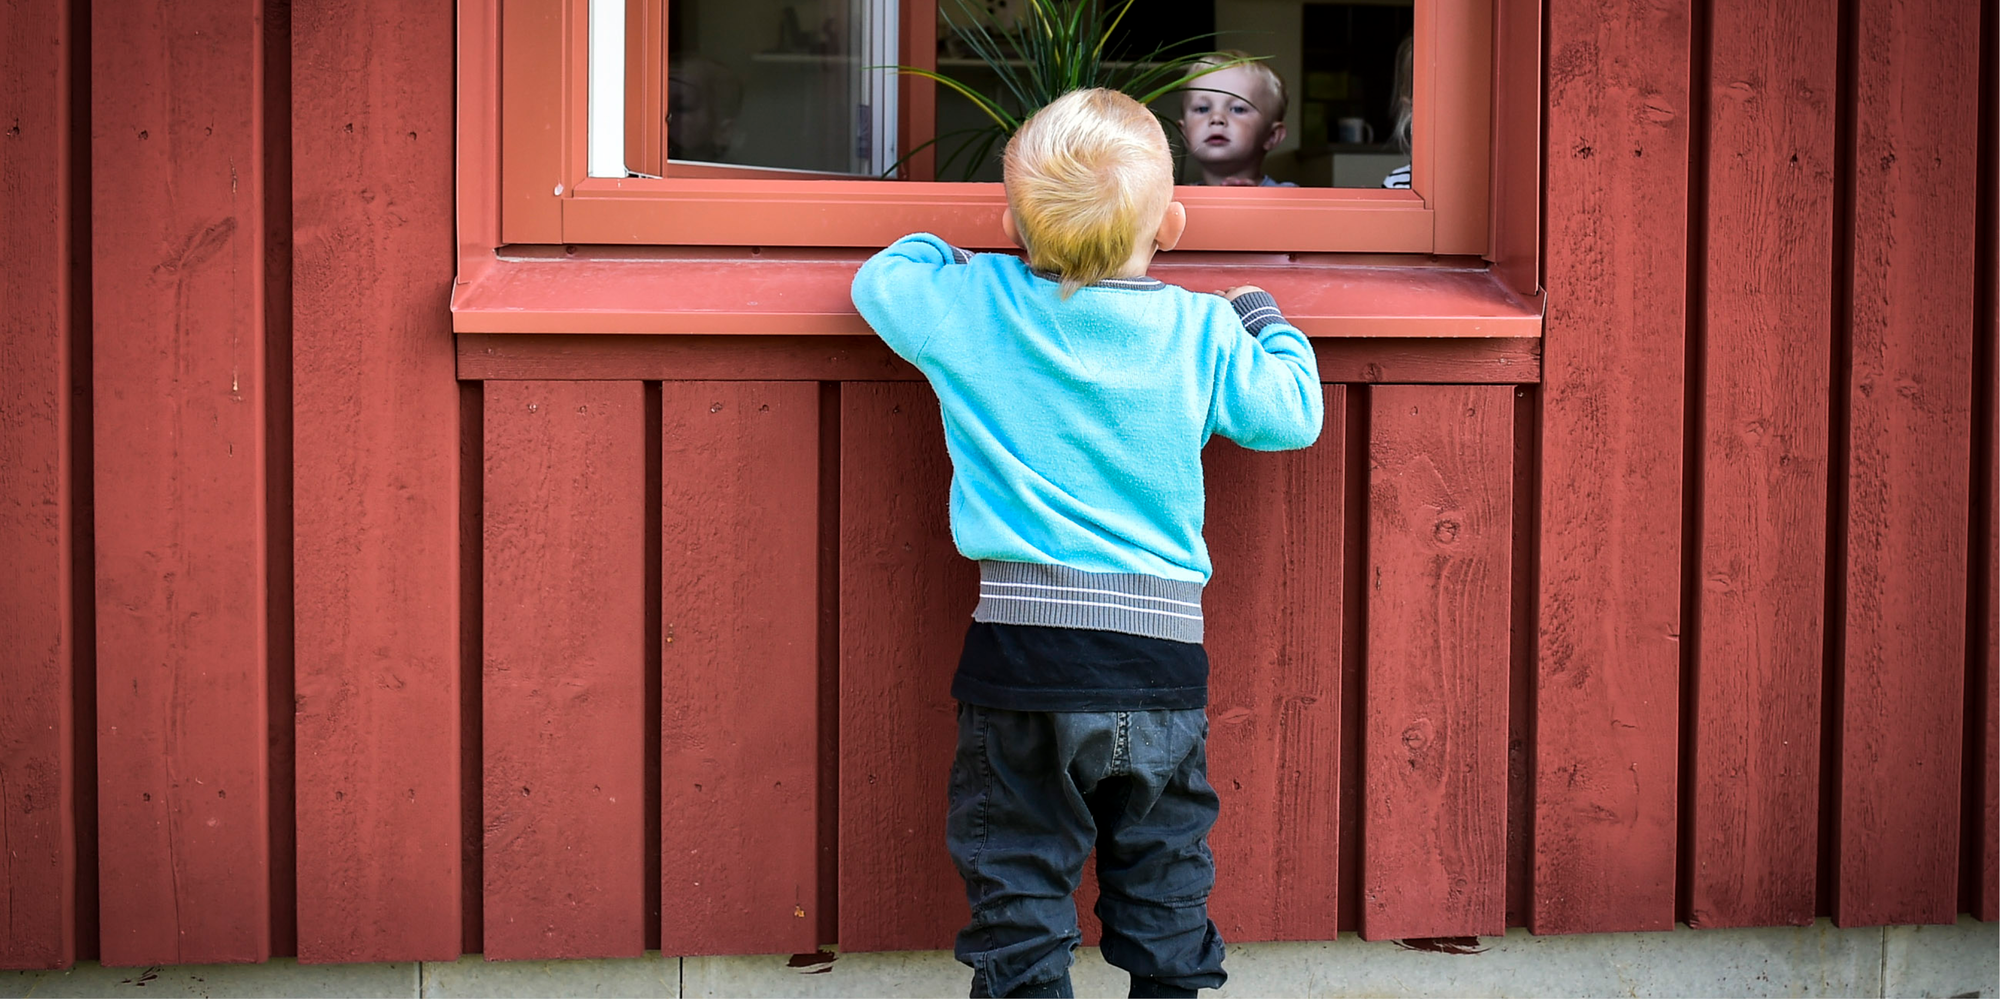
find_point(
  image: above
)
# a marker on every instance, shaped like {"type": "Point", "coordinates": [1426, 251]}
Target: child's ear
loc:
{"type": "Point", "coordinates": [1277, 135]}
{"type": "Point", "coordinates": [1012, 230]}
{"type": "Point", "coordinates": [1171, 226]}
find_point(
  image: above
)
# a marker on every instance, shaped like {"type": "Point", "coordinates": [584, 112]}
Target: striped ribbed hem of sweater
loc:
{"type": "Point", "coordinates": [1058, 596]}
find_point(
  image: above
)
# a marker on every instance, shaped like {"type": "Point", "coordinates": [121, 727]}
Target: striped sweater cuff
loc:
{"type": "Point", "coordinates": [1058, 596]}
{"type": "Point", "coordinates": [1257, 310]}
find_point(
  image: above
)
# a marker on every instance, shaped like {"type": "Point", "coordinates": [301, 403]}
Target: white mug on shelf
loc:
{"type": "Point", "coordinates": [1353, 131]}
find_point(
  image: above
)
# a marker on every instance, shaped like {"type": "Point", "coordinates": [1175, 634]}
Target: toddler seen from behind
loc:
{"type": "Point", "coordinates": [1077, 394]}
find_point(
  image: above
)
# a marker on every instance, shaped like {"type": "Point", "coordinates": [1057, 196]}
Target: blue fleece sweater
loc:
{"type": "Point", "coordinates": [1075, 426]}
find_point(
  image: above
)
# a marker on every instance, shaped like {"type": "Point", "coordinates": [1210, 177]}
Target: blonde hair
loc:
{"type": "Point", "coordinates": [1084, 176]}
{"type": "Point", "coordinates": [1260, 68]}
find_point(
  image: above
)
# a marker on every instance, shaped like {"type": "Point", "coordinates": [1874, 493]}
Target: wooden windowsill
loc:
{"type": "Point", "coordinates": [646, 290]}
{"type": "Point", "coordinates": [862, 358]}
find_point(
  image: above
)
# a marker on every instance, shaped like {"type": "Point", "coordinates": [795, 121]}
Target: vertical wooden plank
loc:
{"type": "Point", "coordinates": [564, 677]}
{"type": "Point", "coordinates": [1983, 861]}
{"type": "Point", "coordinates": [1616, 216]}
{"type": "Point", "coordinates": [1766, 318]}
{"type": "Point", "coordinates": [739, 732]}
{"type": "Point", "coordinates": [1521, 656]}
{"type": "Point", "coordinates": [1909, 459]}
{"type": "Point", "coordinates": [1276, 535]}
{"type": "Point", "coordinates": [1440, 555]}
{"type": "Point", "coordinates": [37, 620]}
{"type": "Point", "coordinates": [1989, 882]}
{"type": "Point", "coordinates": [905, 600]}
{"type": "Point", "coordinates": [375, 483]}
{"type": "Point", "coordinates": [1988, 897]}
{"type": "Point", "coordinates": [280, 688]}
{"type": "Point", "coordinates": [180, 512]}
{"type": "Point", "coordinates": [471, 667]}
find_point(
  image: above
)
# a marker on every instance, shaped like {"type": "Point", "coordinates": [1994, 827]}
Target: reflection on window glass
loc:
{"type": "Point", "coordinates": [783, 84]}
{"type": "Point", "coordinates": [809, 85]}
{"type": "Point", "coordinates": [1320, 108]}
{"type": "Point", "coordinates": [1151, 29]}
{"type": "Point", "coordinates": [1354, 121]}
{"type": "Point", "coordinates": [1232, 120]}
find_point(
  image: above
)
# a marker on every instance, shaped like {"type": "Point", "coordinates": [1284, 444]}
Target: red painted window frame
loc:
{"type": "Point", "coordinates": [522, 181]}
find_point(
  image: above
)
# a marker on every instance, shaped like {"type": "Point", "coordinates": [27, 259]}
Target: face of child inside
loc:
{"type": "Point", "coordinates": [1227, 128]}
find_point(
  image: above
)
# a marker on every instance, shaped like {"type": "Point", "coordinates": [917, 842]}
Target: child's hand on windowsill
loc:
{"type": "Point", "coordinates": [1232, 294]}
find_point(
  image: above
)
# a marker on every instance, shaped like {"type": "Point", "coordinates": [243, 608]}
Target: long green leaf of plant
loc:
{"type": "Point", "coordinates": [981, 101]}
{"type": "Point", "coordinates": [1109, 29]}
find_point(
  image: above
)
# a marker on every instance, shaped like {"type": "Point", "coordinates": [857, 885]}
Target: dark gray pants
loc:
{"type": "Point", "coordinates": [1033, 792]}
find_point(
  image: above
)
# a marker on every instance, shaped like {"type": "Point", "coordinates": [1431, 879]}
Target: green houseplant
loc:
{"type": "Point", "coordinates": [1054, 47]}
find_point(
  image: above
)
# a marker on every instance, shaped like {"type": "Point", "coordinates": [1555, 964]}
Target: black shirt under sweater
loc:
{"type": "Point", "coordinates": [1024, 667]}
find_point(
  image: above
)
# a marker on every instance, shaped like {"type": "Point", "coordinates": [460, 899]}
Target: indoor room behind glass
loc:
{"type": "Point", "coordinates": [807, 85]}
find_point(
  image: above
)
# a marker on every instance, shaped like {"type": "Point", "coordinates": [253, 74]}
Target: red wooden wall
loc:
{"type": "Point", "coordinates": [323, 641]}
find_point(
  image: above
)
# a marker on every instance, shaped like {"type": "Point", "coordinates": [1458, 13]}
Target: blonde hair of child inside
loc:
{"type": "Point", "coordinates": [1255, 66]}
{"type": "Point", "coordinates": [1085, 178]}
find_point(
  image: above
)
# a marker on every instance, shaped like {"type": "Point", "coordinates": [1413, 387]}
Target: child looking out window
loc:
{"type": "Point", "coordinates": [1232, 118]}
{"type": "Point", "coordinates": [1077, 394]}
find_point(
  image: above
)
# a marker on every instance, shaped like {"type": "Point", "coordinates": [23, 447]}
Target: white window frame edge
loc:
{"type": "Point", "coordinates": [880, 25]}
{"type": "Point", "coordinates": [607, 89]}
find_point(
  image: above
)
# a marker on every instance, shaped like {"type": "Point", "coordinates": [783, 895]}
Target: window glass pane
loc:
{"type": "Point", "coordinates": [809, 85]}
{"type": "Point", "coordinates": [1338, 63]}
{"type": "Point", "coordinates": [1354, 94]}
{"type": "Point", "coordinates": [785, 84]}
